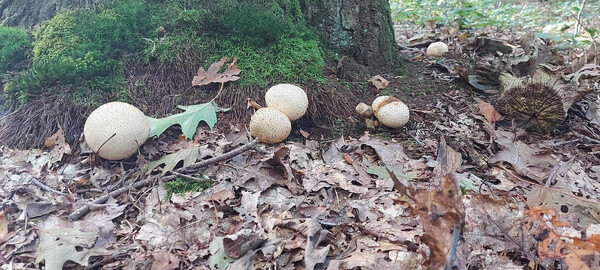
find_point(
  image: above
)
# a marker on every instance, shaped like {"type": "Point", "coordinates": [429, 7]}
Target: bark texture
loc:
{"type": "Point", "coordinates": [30, 13]}
{"type": "Point", "coordinates": [361, 30]}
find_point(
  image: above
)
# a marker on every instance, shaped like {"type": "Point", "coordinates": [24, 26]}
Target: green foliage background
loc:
{"type": "Point", "coordinates": [553, 19]}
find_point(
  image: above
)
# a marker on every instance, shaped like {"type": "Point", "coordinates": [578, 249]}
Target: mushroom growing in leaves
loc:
{"type": "Point", "coordinates": [289, 99]}
{"type": "Point", "coordinates": [437, 49]}
{"type": "Point", "coordinates": [115, 130]}
{"type": "Point", "coordinates": [270, 125]}
{"type": "Point", "coordinates": [390, 111]}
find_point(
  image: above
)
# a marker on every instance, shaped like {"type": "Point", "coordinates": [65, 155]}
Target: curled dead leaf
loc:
{"type": "Point", "coordinates": [489, 112]}
{"type": "Point", "coordinates": [379, 82]}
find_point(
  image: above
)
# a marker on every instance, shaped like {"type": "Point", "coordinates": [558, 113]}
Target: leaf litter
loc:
{"type": "Point", "coordinates": [447, 190]}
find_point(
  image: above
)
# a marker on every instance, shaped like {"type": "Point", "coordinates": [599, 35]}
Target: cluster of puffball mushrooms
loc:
{"type": "Point", "coordinates": [115, 130]}
{"type": "Point", "coordinates": [285, 103]}
{"type": "Point", "coordinates": [386, 110]}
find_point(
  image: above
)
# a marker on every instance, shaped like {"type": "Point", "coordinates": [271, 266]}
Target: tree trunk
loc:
{"type": "Point", "coordinates": [30, 13]}
{"type": "Point", "coordinates": [359, 32]}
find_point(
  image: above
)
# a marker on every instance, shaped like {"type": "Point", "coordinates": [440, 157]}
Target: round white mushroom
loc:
{"type": "Point", "coordinates": [390, 111]}
{"type": "Point", "coordinates": [289, 99]}
{"type": "Point", "coordinates": [270, 125]}
{"type": "Point", "coordinates": [437, 49]}
{"type": "Point", "coordinates": [115, 130]}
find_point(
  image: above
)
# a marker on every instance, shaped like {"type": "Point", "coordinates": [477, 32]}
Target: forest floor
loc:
{"type": "Point", "coordinates": [456, 185]}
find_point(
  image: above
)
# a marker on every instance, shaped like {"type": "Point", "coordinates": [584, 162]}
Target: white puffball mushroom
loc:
{"type": "Point", "coordinates": [437, 49]}
{"type": "Point", "coordinates": [115, 130]}
{"type": "Point", "coordinates": [390, 111]}
{"type": "Point", "coordinates": [270, 125]}
{"type": "Point", "coordinates": [289, 99]}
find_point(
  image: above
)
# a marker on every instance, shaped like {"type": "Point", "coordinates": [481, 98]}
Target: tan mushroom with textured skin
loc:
{"type": "Point", "coordinates": [115, 130]}
{"type": "Point", "coordinates": [390, 111]}
{"type": "Point", "coordinates": [270, 125]}
{"type": "Point", "coordinates": [289, 99]}
{"type": "Point", "coordinates": [437, 49]}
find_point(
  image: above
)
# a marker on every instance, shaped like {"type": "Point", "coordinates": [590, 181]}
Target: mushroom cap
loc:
{"type": "Point", "coordinates": [380, 101]}
{"type": "Point", "coordinates": [394, 114]}
{"type": "Point", "coordinates": [128, 125]}
{"type": "Point", "coordinates": [437, 49]}
{"type": "Point", "coordinates": [364, 110]}
{"type": "Point", "coordinates": [289, 99]}
{"type": "Point", "coordinates": [270, 125]}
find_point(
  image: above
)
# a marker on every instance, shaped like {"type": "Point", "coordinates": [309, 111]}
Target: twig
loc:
{"type": "Point", "coordinates": [454, 245]}
{"type": "Point", "coordinates": [137, 185]}
{"type": "Point", "coordinates": [578, 29]}
{"type": "Point", "coordinates": [552, 175]}
{"type": "Point", "coordinates": [188, 176]}
{"type": "Point", "coordinates": [44, 187]}
{"type": "Point", "coordinates": [194, 167]}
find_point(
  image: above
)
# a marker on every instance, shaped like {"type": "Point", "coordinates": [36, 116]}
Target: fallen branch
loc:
{"type": "Point", "coordinates": [82, 211]}
{"type": "Point", "coordinates": [44, 187]}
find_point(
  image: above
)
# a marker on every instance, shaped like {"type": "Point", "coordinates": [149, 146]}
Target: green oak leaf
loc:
{"type": "Point", "coordinates": [188, 120]}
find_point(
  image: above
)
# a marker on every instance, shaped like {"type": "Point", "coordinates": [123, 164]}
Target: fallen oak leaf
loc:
{"type": "Point", "coordinates": [187, 155]}
{"type": "Point", "coordinates": [212, 75]}
{"type": "Point", "coordinates": [489, 112]}
{"type": "Point", "coordinates": [188, 120]}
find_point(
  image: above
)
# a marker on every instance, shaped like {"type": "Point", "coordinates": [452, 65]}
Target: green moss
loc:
{"type": "Point", "coordinates": [14, 42]}
{"type": "Point", "coordinates": [270, 39]}
{"type": "Point", "coordinates": [81, 50]}
{"type": "Point", "coordinates": [183, 185]}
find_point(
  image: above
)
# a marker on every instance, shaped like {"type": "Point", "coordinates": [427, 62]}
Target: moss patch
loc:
{"type": "Point", "coordinates": [14, 43]}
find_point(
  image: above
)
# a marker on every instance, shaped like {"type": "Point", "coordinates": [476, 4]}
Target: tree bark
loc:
{"type": "Point", "coordinates": [356, 29]}
{"type": "Point", "coordinates": [30, 13]}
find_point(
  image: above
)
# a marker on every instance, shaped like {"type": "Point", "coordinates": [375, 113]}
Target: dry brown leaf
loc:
{"type": "Point", "coordinates": [252, 104]}
{"type": "Point", "coordinates": [304, 134]}
{"type": "Point", "coordinates": [489, 112]}
{"type": "Point", "coordinates": [554, 238]}
{"type": "Point", "coordinates": [588, 211]}
{"type": "Point", "coordinates": [525, 159]}
{"type": "Point", "coordinates": [379, 82]}
{"type": "Point", "coordinates": [58, 146]}
{"type": "Point", "coordinates": [164, 260]}
{"type": "Point", "coordinates": [212, 75]}
{"type": "Point", "coordinates": [314, 255]}
{"type": "Point", "coordinates": [441, 212]}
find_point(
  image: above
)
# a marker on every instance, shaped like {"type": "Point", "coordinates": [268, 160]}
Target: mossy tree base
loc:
{"type": "Point", "coordinates": [362, 30]}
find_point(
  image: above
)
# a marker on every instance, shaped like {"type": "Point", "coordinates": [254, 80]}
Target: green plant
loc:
{"type": "Point", "coordinates": [14, 42]}
{"type": "Point", "coordinates": [182, 185]}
